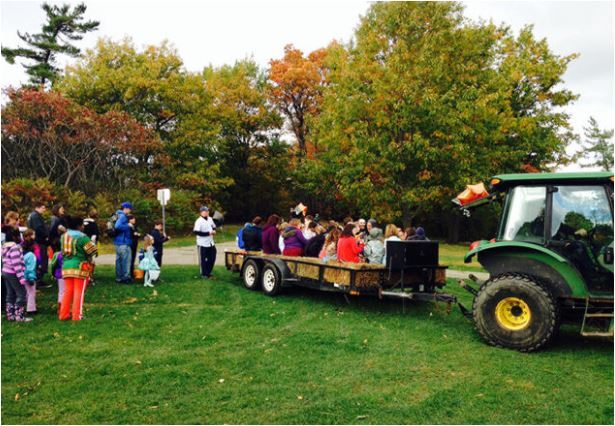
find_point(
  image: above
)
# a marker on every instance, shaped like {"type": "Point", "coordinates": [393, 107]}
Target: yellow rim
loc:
{"type": "Point", "coordinates": [513, 314]}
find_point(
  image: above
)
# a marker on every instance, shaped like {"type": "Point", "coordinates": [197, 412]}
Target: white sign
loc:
{"type": "Point", "coordinates": [164, 195]}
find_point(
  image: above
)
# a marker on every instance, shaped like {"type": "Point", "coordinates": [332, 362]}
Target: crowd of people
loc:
{"type": "Point", "coordinates": [349, 241]}
{"type": "Point", "coordinates": [66, 248]}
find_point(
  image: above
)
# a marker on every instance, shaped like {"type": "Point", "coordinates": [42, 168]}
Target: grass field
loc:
{"type": "Point", "coordinates": [193, 351]}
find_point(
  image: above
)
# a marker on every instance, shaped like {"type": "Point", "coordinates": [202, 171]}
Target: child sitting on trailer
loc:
{"type": "Point", "coordinates": [374, 248]}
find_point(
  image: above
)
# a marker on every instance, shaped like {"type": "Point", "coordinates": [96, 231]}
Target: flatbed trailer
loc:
{"type": "Point", "coordinates": [272, 273]}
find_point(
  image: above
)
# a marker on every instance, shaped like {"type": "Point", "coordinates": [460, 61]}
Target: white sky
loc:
{"type": "Point", "coordinates": [221, 32]}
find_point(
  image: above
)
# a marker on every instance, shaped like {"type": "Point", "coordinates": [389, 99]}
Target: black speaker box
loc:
{"type": "Point", "coordinates": [411, 254]}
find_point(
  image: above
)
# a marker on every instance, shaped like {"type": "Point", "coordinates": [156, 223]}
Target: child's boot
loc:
{"type": "Point", "coordinates": [20, 314]}
{"type": "Point", "coordinates": [10, 311]}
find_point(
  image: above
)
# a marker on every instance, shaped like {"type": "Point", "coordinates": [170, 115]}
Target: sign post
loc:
{"type": "Point", "coordinates": [164, 195]}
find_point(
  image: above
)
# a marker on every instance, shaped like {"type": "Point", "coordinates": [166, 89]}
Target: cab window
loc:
{"type": "Point", "coordinates": [582, 213]}
{"type": "Point", "coordinates": [525, 219]}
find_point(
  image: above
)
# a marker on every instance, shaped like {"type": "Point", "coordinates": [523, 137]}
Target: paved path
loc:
{"type": "Point", "coordinates": [188, 256]}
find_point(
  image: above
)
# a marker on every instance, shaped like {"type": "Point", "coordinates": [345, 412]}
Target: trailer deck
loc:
{"type": "Point", "coordinates": [273, 272]}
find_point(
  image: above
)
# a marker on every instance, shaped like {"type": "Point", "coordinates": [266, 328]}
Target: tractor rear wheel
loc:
{"type": "Point", "coordinates": [514, 311]}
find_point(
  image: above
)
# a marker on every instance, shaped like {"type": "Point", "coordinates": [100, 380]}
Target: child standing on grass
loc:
{"type": "Point", "coordinates": [13, 276]}
{"type": "Point", "coordinates": [160, 237]}
{"type": "Point", "coordinates": [147, 262]}
{"type": "Point", "coordinates": [30, 262]}
{"type": "Point", "coordinates": [56, 271]}
{"type": "Point", "coordinates": [77, 253]}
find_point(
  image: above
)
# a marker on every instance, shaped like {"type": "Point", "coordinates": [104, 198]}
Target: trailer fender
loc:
{"type": "Point", "coordinates": [281, 266]}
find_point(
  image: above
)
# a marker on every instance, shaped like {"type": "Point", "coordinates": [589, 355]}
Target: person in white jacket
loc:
{"type": "Point", "coordinates": [205, 229]}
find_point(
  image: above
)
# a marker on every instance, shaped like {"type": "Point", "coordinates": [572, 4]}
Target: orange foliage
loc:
{"type": "Point", "coordinates": [296, 86]}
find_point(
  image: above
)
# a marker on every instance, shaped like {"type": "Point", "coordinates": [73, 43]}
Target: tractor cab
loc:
{"type": "Point", "coordinates": [552, 257]}
{"type": "Point", "coordinates": [571, 214]}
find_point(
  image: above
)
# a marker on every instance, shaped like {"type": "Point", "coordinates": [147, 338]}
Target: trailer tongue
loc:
{"type": "Point", "coordinates": [412, 273]}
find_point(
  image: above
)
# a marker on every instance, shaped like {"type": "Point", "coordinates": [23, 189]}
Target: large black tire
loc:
{"type": "Point", "coordinates": [250, 274]}
{"type": "Point", "coordinates": [514, 311]}
{"type": "Point", "coordinates": [271, 280]}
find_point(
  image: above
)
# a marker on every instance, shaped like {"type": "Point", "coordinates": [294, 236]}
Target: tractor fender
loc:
{"type": "Point", "coordinates": [551, 269]}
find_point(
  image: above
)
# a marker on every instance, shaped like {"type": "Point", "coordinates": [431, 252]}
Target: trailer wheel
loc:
{"type": "Point", "coordinates": [514, 311]}
{"type": "Point", "coordinates": [250, 275]}
{"type": "Point", "coordinates": [272, 280]}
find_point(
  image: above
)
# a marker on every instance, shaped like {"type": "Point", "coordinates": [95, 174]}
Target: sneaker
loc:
{"type": "Point", "coordinates": [27, 319]}
{"type": "Point", "coordinates": [148, 285]}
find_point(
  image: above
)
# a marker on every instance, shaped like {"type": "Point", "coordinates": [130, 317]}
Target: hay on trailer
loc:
{"type": "Point", "coordinates": [366, 275]}
{"type": "Point", "coordinates": [307, 270]}
{"type": "Point", "coordinates": [336, 275]}
{"type": "Point", "coordinates": [368, 279]}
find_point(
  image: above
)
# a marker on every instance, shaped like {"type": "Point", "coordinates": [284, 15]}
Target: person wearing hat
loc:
{"type": "Point", "coordinates": [123, 243]}
{"type": "Point", "coordinates": [419, 235]}
{"type": "Point", "coordinates": [205, 229]}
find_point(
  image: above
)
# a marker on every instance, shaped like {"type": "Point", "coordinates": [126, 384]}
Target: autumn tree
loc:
{"type": "Point", "coordinates": [597, 146]}
{"type": "Point", "coordinates": [424, 101]}
{"type": "Point", "coordinates": [153, 86]}
{"type": "Point", "coordinates": [46, 135]}
{"type": "Point", "coordinates": [248, 149]}
{"type": "Point", "coordinates": [296, 83]}
{"type": "Point", "coordinates": [64, 25]}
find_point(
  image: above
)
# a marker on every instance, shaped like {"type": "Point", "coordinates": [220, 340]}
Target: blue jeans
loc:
{"type": "Point", "coordinates": [123, 256]}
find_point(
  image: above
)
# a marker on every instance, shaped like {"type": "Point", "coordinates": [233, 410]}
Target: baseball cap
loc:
{"type": "Point", "coordinates": [204, 209]}
{"type": "Point", "coordinates": [126, 205]}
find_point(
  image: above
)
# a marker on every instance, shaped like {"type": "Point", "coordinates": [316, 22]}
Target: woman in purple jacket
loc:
{"type": "Point", "coordinates": [271, 235]}
{"type": "Point", "coordinates": [294, 241]}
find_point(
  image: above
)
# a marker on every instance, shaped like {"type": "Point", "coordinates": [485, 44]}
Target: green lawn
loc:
{"type": "Point", "coordinates": [452, 255]}
{"type": "Point", "coordinates": [193, 351]}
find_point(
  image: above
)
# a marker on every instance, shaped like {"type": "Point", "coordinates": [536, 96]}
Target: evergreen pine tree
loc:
{"type": "Point", "coordinates": [63, 26]}
{"type": "Point", "coordinates": [598, 146]}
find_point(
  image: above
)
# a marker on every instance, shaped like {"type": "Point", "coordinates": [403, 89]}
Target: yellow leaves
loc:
{"type": "Point", "coordinates": [424, 175]}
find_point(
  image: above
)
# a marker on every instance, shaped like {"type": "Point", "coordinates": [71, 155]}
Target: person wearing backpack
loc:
{"type": "Point", "coordinates": [122, 241]}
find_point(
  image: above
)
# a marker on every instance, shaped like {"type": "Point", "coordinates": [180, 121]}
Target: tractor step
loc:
{"type": "Point", "coordinates": [599, 324]}
{"type": "Point", "coordinates": [599, 315]}
{"type": "Point", "coordinates": [597, 333]}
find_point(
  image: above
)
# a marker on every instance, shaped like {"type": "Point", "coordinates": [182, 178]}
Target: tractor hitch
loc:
{"type": "Point", "coordinates": [468, 288]}
{"type": "Point", "coordinates": [465, 311]}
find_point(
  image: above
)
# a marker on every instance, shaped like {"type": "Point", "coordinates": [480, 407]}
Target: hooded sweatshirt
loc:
{"type": "Point", "coordinates": [271, 240]}
{"type": "Point", "coordinates": [293, 238]}
{"type": "Point", "coordinates": [374, 249]}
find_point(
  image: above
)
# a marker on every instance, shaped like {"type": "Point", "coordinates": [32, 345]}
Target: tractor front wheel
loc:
{"type": "Point", "coordinates": [514, 311]}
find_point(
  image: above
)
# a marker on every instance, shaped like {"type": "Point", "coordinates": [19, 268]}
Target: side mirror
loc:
{"type": "Point", "coordinates": [608, 255]}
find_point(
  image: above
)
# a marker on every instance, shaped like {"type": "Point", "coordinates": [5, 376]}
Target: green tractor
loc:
{"type": "Point", "coordinates": [551, 262]}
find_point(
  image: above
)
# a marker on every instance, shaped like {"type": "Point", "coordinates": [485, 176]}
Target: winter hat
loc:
{"type": "Point", "coordinates": [420, 232]}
